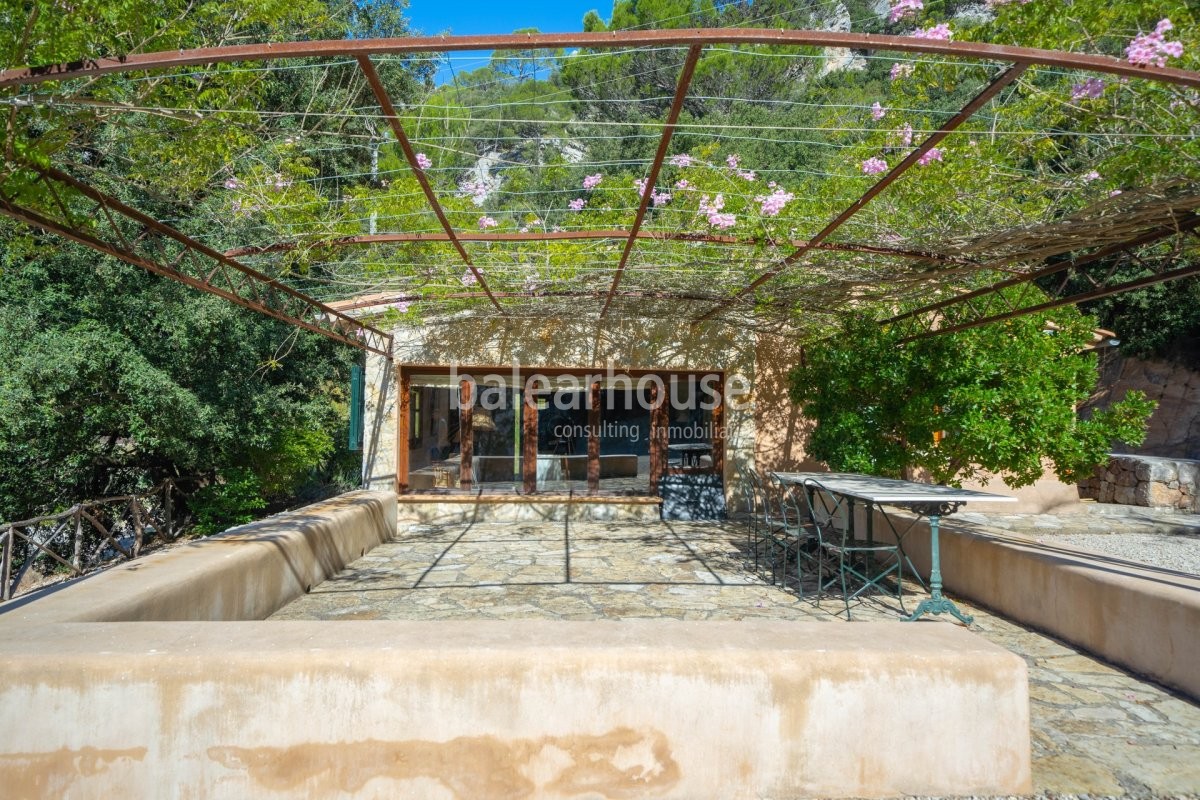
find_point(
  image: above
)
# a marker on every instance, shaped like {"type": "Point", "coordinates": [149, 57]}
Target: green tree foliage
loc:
{"type": "Point", "coordinates": [114, 378]}
{"type": "Point", "coordinates": [996, 400]}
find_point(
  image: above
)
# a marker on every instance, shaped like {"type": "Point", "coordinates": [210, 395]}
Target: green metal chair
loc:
{"type": "Point", "coordinates": [781, 529]}
{"type": "Point", "coordinates": [866, 564]}
{"type": "Point", "coordinates": [803, 539]}
{"type": "Point", "coordinates": [748, 490]}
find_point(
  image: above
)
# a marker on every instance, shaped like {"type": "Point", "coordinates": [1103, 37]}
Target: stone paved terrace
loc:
{"type": "Point", "coordinates": [1097, 731]}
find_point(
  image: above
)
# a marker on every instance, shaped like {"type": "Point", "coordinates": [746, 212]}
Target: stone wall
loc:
{"type": "Point", "coordinates": [1174, 430]}
{"type": "Point", "coordinates": [1146, 481]}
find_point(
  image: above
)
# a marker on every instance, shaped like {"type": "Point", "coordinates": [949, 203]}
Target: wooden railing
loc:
{"type": "Point", "coordinates": [140, 518]}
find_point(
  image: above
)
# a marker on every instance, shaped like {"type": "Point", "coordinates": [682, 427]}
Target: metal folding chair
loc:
{"type": "Point", "coordinates": [803, 540]}
{"type": "Point", "coordinates": [748, 491]}
{"type": "Point", "coordinates": [832, 519]}
{"type": "Point", "coordinates": [779, 532]}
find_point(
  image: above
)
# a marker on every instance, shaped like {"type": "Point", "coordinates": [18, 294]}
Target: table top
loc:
{"type": "Point", "coordinates": [891, 491]}
{"type": "Point", "coordinates": [690, 447]}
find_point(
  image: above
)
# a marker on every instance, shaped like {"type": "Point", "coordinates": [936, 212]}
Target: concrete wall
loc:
{"type": "Point", "coordinates": [246, 573]}
{"type": "Point", "coordinates": [1141, 618]}
{"type": "Point", "coordinates": [479, 710]}
{"type": "Point", "coordinates": [94, 705]}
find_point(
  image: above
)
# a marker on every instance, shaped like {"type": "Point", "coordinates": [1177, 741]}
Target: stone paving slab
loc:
{"type": "Point", "coordinates": [1097, 731]}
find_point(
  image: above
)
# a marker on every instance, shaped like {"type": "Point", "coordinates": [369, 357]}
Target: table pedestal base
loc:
{"type": "Point", "coordinates": [940, 605]}
{"type": "Point", "coordinates": [937, 602]}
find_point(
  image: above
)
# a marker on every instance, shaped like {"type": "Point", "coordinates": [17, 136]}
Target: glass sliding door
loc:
{"type": "Point", "coordinates": [433, 439]}
{"type": "Point", "coordinates": [690, 427]}
{"type": "Point", "coordinates": [624, 438]}
{"type": "Point", "coordinates": [582, 433]}
{"type": "Point", "coordinates": [496, 440]}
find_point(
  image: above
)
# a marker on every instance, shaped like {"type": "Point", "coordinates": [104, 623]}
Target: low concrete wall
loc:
{"type": "Point", "coordinates": [478, 710]}
{"type": "Point", "coordinates": [93, 705]}
{"type": "Point", "coordinates": [247, 573]}
{"type": "Point", "coordinates": [1141, 618]}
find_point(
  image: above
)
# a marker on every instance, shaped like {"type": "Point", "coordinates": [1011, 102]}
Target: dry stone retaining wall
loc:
{"type": "Point", "coordinates": [1146, 481]}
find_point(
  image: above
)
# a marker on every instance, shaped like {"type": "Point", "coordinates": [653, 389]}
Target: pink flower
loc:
{"type": "Point", "coordinates": [682, 184]}
{"type": "Point", "coordinates": [1151, 49]}
{"type": "Point", "coordinates": [1114, 193]}
{"type": "Point", "coordinates": [712, 207]}
{"type": "Point", "coordinates": [1088, 177]}
{"type": "Point", "coordinates": [1092, 88]}
{"type": "Point", "coordinates": [681, 160]}
{"type": "Point", "coordinates": [280, 183]}
{"type": "Point", "coordinates": [722, 221]}
{"type": "Point", "coordinates": [732, 160]}
{"type": "Point", "coordinates": [660, 198]}
{"type": "Point", "coordinates": [468, 278]}
{"type": "Point", "coordinates": [423, 161]}
{"type": "Point", "coordinates": [877, 111]}
{"type": "Point", "coordinates": [900, 71]}
{"type": "Point", "coordinates": [906, 135]}
{"type": "Point", "coordinates": [402, 306]}
{"type": "Point", "coordinates": [577, 204]}
{"type": "Point", "coordinates": [592, 181]}
{"type": "Point", "coordinates": [940, 32]}
{"type": "Point", "coordinates": [477, 189]}
{"type": "Point", "coordinates": [486, 222]}
{"type": "Point", "coordinates": [772, 204]}
{"type": "Point", "coordinates": [931, 155]}
{"type": "Point", "coordinates": [747, 175]}
{"type": "Point", "coordinates": [233, 183]}
{"type": "Point", "coordinates": [640, 185]}
{"type": "Point", "coordinates": [874, 165]}
{"type": "Point", "coordinates": [902, 9]}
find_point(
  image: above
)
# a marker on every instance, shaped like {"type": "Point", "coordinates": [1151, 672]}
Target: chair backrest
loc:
{"type": "Point", "coordinates": [827, 512]}
{"type": "Point", "coordinates": [747, 489]}
{"type": "Point", "coordinates": [790, 512]}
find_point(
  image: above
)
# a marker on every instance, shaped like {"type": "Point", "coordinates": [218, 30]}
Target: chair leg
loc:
{"type": "Point", "coordinates": [845, 592]}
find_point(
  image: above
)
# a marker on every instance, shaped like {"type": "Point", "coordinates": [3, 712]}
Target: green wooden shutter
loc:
{"type": "Point", "coordinates": [356, 406]}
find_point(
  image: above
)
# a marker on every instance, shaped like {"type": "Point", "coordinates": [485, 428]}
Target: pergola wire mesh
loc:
{"type": "Point", "coordinates": [762, 205]}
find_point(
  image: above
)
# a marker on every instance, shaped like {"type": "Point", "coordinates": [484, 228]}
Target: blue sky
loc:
{"type": "Point", "coordinates": [432, 17]}
{"type": "Point", "coordinates": [552, 16]}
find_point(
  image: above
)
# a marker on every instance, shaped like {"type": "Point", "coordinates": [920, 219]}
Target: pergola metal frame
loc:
{"type": "Point", "coordinates": [224, 276]}
{"type": "Point", "coordinates": [165, 251]}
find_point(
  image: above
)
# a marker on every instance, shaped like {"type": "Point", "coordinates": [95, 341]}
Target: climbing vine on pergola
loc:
{"type": "Point", "coordinates": [944, 194]}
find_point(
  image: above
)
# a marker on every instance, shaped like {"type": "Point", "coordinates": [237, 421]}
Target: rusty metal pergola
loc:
{"type": "Point", "coordinates": [166, 251]}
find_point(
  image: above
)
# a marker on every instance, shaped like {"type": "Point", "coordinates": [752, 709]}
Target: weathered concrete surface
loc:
{"type": "Point", "coordinates": [95, 705]}
{"type": "Point", "coordinates": [510, 710]}
{"type": "Point", "coordinates": [246, 573]}
{"type": "Point", "coordinates": [1096, 730]}
{"type": "Point", "coordinates": [1133, 615]}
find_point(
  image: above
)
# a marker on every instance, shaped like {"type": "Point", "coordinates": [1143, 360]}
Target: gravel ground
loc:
{"type": "Point", "coordinates": [1180, 553]}
{"type": "Point", "coordinates": [1162, 539]}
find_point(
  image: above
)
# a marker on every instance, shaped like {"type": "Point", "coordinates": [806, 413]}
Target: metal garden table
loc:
{"type": "Point", "coordinates": [926, 500]}
{"type": "Point", "coordinates": [689, 454]}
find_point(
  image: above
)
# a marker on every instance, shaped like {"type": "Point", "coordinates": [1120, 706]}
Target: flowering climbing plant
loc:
{"type": "Point", "coordinates": [753, 168]}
